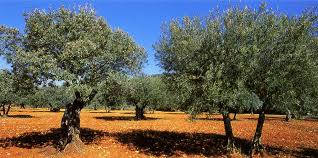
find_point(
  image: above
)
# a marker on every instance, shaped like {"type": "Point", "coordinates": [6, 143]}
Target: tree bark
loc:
{"type": "Point", "coordinates": [3, 109]}
{"type": "Point", "coordinates": [257, 146]}
{"type": "Point", "coordinates": [0, 111]}
{"type": "Point", "coordinates": [234, 118]}
{"type": "Point", "coordinates": [288, 115]}
{"type": "Point", "coordinates": [140, 112]}
{"type": "Point", "coordinates": [70, 124]}
{"type": "Point", "coordinates": [228, 132]}
{"type": "Point", "coordinates": [9, 107]}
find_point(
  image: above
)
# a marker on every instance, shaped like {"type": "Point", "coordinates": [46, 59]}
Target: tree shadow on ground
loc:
{"type": "Point", "coordinates": [48, 111]}
{"type": "Point", "coordinates": [122, 118]}
{"type": "Point", "coordinates": [300, 152]}
{"type": "Point", "coordinates": [217, 119]}
{"type": "Point", "coordinates": [165, 143]}
{"type": "Point", "coordinates": [282, 118]}
{"type": "Point", "coordinates": [308, 152]}
{"type": "Point", "coordinates": [127, 112]}
{"type": "Point", "coordinates": [49, 138]}
{"type": "Point", "coordinates": [18, 116]}
{"type": "Point", "coordinates": [309, 118]}
{"type": "Point", "coordinates": [174, 113]}
{"type": "Point", "coordinates": [102, 112]}
{"type": "Point", "coordinates": [267, 118]}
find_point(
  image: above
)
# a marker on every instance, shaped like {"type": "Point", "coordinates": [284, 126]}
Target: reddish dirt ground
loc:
{"type": "Point", "coordinates": [35, 133]}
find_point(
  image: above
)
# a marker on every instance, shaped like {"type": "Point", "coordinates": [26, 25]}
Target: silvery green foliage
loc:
{"type": "Point", "coordinates": [241, 57]}
{"type": "Point", "coordinates": [283, 55]}
{"type": "Point", "coordinates": [145, 91]}
{"type": "Point", "coordinates": [74, 46]}
{"type": "Point", "coordinates": [7, 95]}
{"type": "Point", "coordinates": [112, 90]}
{"type": "Point", "coordinates": [51, 96]}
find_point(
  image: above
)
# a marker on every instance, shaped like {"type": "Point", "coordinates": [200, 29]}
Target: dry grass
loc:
{"type": "Point", "coordinates": [34, 133]}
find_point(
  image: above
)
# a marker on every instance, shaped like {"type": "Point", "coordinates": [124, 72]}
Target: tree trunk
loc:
{"type": "Point", "coordinates": [107, 109]}
{"type": "Point", "coordinates": [234, 118]}
{"type": "Point", "coordinates": [257, 146]}
{"type": "Point", "coordinates": [22, 106]}
{"type": "Point", "coordinates": [228, 132]}
{"type": "Point", "coordinates": [70, 124]}
{"type": "Point", "coordinates": [288, 115]}
{"type": "Point", "coordinates": [51, 107]}
{"type": "Point", "coordinates": [9, 107]}
{"type": "Point", "coordinates": [3, 109]}
{"type": "Point", "coordinates": [140, 112]}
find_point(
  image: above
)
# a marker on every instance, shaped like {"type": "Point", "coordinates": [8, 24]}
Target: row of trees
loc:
{"type": "Point", "coordinates": [238, 60]}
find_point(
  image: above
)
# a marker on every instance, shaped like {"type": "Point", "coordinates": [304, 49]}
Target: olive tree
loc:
{"type": "Point", "coordinates": [53, 97]}
{"type": "Point", "coordinates": [142, 92]}
{"type": "Point", "coordinates": [112, 91]}
{"type": "Point", "coordinates": [200, 60]}
{"type": "Point", "coordinates": [282, 54]}
{"type": "Point", "coordinates": [7, 95]}
{"type": "Point", "coordinates": [75, 47]}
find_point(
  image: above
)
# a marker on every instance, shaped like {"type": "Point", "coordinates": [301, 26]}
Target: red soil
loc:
{"type": "Point", "coordinates": [34, 133]}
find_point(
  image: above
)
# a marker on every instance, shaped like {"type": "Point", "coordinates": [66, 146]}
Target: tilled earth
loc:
{"type": "Point", "coordinates": [35, 133]}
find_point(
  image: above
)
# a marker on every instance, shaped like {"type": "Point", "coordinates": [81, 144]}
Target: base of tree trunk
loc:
{"type": "Point", "coordinates": [70, 123]}
{"type": "Point", "coordinates": [75, 146]}
{"type": "Point", "coordinates": [234, 117]}
{"type": "Point", "coordinates": [288, 116]}
{"type": "Point", "coordinates": [70, 127]}
{"type": "Point", "coordinates": [107, 109]}
{"type": "Point", "coordinates": [140, 113]}
{"type": "Point", "coordinates": [5, 111]}
{"type": "Point", "coordinates": [257, 148]}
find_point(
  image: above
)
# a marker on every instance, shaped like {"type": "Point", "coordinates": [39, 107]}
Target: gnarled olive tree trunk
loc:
{"type": "Point", "coordinates": [70, 124]}
{"type": "Point", "coordinates": [257, 140]}
{"type": "Point", "coordinates": [140, 110]}
{"type": "Point", "coordinates": [257, 146]}
{"type": "Point", "coordinates": [5, 111]}
{"type": "Point", "coordinates": [228, 131]}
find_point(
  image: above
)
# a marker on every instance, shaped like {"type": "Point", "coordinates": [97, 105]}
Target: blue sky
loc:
{"type": "Point", "coordinates": [141, 18]}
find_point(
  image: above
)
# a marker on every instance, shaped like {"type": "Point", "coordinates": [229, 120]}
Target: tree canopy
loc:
{"type": "Point", "coordinates": [74, 46]}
